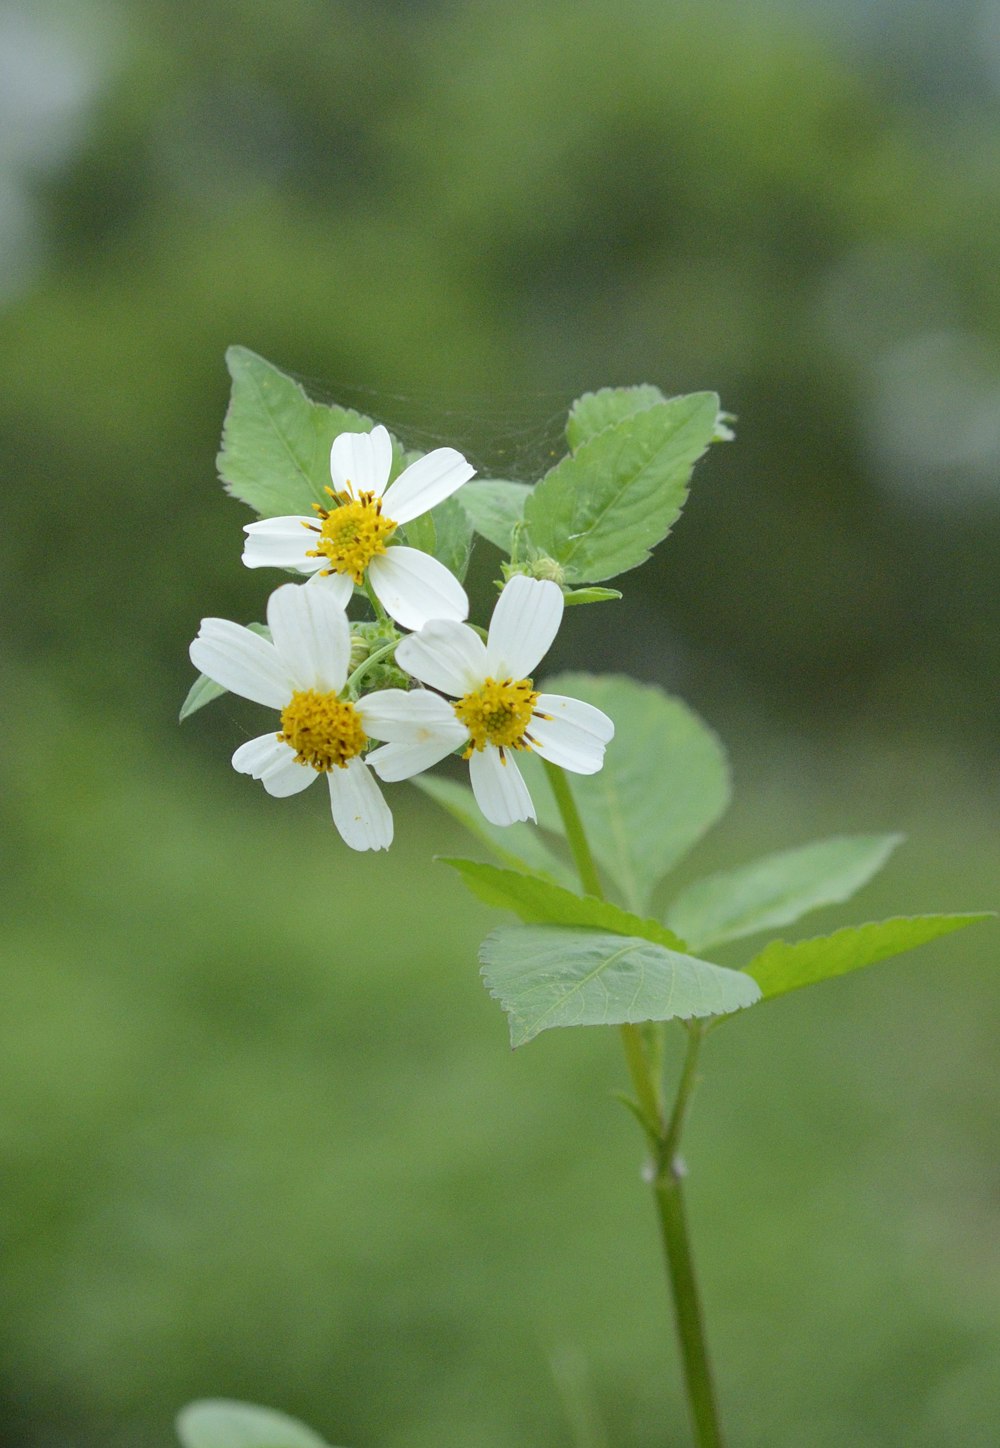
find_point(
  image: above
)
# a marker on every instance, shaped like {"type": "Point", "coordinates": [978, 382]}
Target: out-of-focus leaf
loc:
{"type": "Point", "coordinates": [452, 535]}
{"type": "Point", "coordinates": [601, 510]}
{"type": "Point", "coordinates": [222, 1423]}
{"type": "Point", "coordinates": [780, 967]}
{"type": "Point", "coordinates": [665, 781]}
{"type": "Point", "coordinates": [777, 889]}
{"type": "Point", "coordinates": [547, 975]}
{"type": "Point", "coordinates": [540, 902]}
{"type": "Point", "coordinates": [519, 845]}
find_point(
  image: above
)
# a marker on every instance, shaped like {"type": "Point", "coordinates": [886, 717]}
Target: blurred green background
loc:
{"type": "Point", "coordinates": [260, 1132]}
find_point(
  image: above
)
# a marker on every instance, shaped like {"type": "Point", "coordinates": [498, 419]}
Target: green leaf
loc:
{"type": "Point", "coordinates": [780, 967]}
{"type": "Point", "coordinates": [494, 508]}
{"type": "Point", "coordinates": [546, 975]}
{"type": "Point", "coordinates": [594, 411]}
{"type": "Point", "coordinates": [590, 595]}
{"type": "Point", "coordinates": [777, 889]}
{"type": "Point", "coordinates": [204, 689]}
{"type": "Point", "coordinates": [275, 440]}
{"type": "Point", "coordinates": [222, 1423]}
{"type": "Point", "coordinates": [519, 846]}
{"type": "Point", "coordinates": [453, 535]}
{"type": "Point", "coordinates": [664, 782]}
{"type": "Point", "coordinates": [600, 510]}
{"type": "Point", "coordinates": [540, 902]}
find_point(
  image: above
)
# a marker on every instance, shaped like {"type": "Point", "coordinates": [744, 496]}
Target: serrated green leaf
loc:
{"type": "Point", "coordinates": [594, 411]}
{"type": "Point", "coordinates": [275, 440]}
{"type": "Point", "coordinates": [777, 889]}
{"type": "Point", "coordinates": [519, 845]}
{"type": "Point", "coordinates": [665, 781]}
{"type": "Point", "coordinates": [547, 975]}
{"type": "Point", "coordinates": [421, 533]}
{"type": "Point", "coordinates": [204, 689]}
{"type": "Point", "coordinates": [494, 507]}
{"type": "Point", "coordinates": [540, 902]}
{"type": "Point", "coordinates": [601, 510]}
{"type": "Point", "coordinates": [590, 595]}
{"type": "Point", "coordinates": [223, 1423]}
{"type": "Point", "coordinates": [452, 535]}
{"type": "Point", "coordinates": [780, 967]}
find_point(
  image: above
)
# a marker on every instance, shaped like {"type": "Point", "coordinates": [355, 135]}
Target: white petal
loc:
{"type": "Point", "coordinates": [580, 715]}
{"type": "Point", "coordinates": [500, 792]}
{"type": "Point", "coordinates": [281, 543]}
{"type": "Point", "coordinates": [340, 586]}
{"type": "Point", "coordinates": [404, 758]}
{"type": "Point", "coordinates": [446, 655]}
{"type": "Point", "coordinates": [426, 483]}
{"type": "Point", "coordinates": [525, 621]}
{"type": "Point", "coordinates": [562, 743]}
{"type": "Point", "coordinates": [413, 587]}
{"type": "Point", "coordinates": [360, 462]}
{"type": "Point", "coordinates": [393, 714]}
{"type": "Point", "coordinates": [359, 811]}
{"type": "Point", "coordinates": [272, 761]}
{"type": "Point", "coordinates": [241, 662]}
{"type": "Point", "coordinates": [311, 635]}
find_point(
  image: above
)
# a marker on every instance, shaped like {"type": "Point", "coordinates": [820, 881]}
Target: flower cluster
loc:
{"type": "Point", "coordinates": [457, 693]}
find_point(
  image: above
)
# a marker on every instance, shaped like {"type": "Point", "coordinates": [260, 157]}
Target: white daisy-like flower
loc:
{"type": "Point", "coordinates": [302, 671]}
{"type": "Point", "coordinates": [493, 707]}
{"type": "Point", "coordinates": [354, 537]}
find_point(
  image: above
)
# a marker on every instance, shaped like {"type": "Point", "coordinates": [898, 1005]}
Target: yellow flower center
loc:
{"type": "Point", "coordinates": [323, 730]}
{"type": "Point", "coordinates": [498, 713]}
{"type": "Point", "coordinates": [351, 534]}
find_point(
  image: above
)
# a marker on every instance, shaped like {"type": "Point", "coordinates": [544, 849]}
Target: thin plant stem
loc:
{"type": "Point", "coordinates": [664, 1134]}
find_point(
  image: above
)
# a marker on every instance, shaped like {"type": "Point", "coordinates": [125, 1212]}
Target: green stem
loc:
{"type": "Point", "coordinates": [367, 663]}
{"type": "Point", "coordinates": [665, 1138]}
{"type": "Point", "coordinates": [380, 612]}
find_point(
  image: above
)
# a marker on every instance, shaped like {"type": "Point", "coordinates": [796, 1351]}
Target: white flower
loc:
{"type": "Point", "coordinates": [495, 710]}
{"type": "Point", "coordinates": [302, 673]}
{"type": "Point", "coordinates": [354, 537]}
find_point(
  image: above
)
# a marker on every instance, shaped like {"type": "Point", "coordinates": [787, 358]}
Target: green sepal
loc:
{"type": "Point", "coordinates": [601, 510]}
{"type": "Point", "coordinates": [223, 1423]}
{"type": "Point", "coordinates": [540, 902]}
{"type": "Point", "coordinates": [548, 975]}
{"type": "Point", "coordinates": [780, 967]}
{"type": "Point", "coordinates": [777, 889]}
{"type": "Point", "coordinates": [204, 689]}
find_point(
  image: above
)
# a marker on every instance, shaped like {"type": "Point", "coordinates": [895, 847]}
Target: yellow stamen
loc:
{"type": "Point", "coordinates": [351, 534]}
{"type": "Point", "coordinates": [498, 713]}
{"type": "Point", "coordinates": [323, 730]}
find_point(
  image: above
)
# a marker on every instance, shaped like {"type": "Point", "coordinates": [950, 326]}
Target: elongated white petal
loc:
{"type": "Point", "coordinates": [413, 587]}
{"type": "Point", "coordinates": [339, 586]}
{"type": "Point", "coordinates": [311, 635]}
{"type": "Point", "coordinates": [580, 715]}
{"type": "Point", "coordinates": [525, 621]}
{"type": "Point", "coordinates": [426, 483]}
{"type": "Point", "coordinates": [241, 662]}
{"type": "Point", "coordinates": [404, 758]}
{"type": "Point", "coordinates": [359, 811]}
{"type": "Point", "coordinates": [393, 714]}
{"type": "Point", "coordinates": [446, 655]}
{"type": "Point", "coordinates": [562, 743]}
{"type": "Point", "coordinates": [360, 462]}
{"type": "Point", "coordinates": [500, 792]}
{"type": "Point", "coordinates": [281, 543]}
{"type": "Point", "coordinates": [272, 761]}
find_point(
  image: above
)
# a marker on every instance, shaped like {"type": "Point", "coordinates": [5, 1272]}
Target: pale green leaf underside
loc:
{"type": "Point", "coordinates": [519, 846]}
{"type": "Point", "coordinates": [540, 902]}
{"type": "Point", "coordinates": [204, 689]}
{"type": "Point", "coordinates": [665, 781]}
{"type": "Point", "coordinates": [594, 411]}
{"type": "Point", "coordinates": [546, 976]}
{"type": "Point", "coordinates": [780, 967]}
{"type": "Point", "coordinates": [601, 510]}
{"type": "Point", "coordinates": [494, 507]}
{"type": "Point", "coordinates": [222, 1423]}
{"type": "Point", "coordinates": [275, 440]}
{"type": "Point", "coordinates": [777, 889]}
